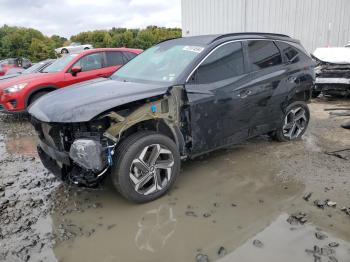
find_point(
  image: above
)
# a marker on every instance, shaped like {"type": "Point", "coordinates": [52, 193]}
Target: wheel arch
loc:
{"type": "Point", "coordinates": [297, 95]}
{"type": "Point", "coordinates": [159, 125]}
{"type": "Point", "coordinates": [33, 92]}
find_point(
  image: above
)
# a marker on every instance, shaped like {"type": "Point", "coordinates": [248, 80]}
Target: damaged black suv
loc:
{"type": "Point", "coordinates": [179, 99]}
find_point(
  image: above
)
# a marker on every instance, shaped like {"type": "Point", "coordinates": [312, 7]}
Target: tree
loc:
{"type": "Point", "coordinates": [31, 43]}
{"type": "Point", "coordinates": [38, 50]}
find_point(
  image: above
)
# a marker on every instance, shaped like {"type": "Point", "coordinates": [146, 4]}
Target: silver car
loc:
{"type": "Point", "coordinates": [74, 47]}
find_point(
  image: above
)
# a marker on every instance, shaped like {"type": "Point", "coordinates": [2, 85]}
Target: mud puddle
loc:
{"type": "Point", "coordinates": [25, 190]}
{"type": "Point", "coordinates": [222, 199]}
{"type": "Point", "coordinates": [22, 145]}
{"type": "Point", "coordinates": [282, 242]}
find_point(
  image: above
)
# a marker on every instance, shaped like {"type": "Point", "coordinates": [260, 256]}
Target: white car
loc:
{"type": "Point", "coordinates": [72, 48]}
{"type": "Point", "coordinates": [348, 45]}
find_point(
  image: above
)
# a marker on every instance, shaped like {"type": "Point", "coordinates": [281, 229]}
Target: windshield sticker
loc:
{"type": "Point", "coordinates": [196, 49]}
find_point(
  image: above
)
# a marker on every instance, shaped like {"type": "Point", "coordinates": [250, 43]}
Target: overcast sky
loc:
{"type": "Point", "coordinates": [69, 17]}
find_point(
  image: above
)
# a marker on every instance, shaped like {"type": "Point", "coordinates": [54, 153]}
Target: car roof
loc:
{"type": "Point", "coordinates": [120, 49]}
{"type": "Point", "coordinates": [210, 39]}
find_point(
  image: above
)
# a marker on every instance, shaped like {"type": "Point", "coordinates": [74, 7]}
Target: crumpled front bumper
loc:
{"type": "Point", "coordinates": [51, 164]}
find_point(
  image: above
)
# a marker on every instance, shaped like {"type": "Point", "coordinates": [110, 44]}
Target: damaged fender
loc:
{"type": "Point", "coordinates": [166, 109]}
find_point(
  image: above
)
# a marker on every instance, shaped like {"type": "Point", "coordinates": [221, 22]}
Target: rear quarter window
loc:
{"type": "Point", "coordinates": [291, 53]}
{"type": "Point", "coordinates": [263, 54]}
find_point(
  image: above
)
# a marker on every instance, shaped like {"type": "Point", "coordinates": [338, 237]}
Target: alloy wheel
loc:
{"type": "Point", "coordinates": [294, 123]}
{"type": "Point", "coordinates": [152, 169]}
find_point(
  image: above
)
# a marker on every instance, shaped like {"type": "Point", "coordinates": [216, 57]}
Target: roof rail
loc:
{"type": "Point", "coordinates": [172, 38]}
{"type": "Point", "coordinates": [248, 33]}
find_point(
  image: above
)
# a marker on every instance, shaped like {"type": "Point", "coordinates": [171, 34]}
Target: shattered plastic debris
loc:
{"type": "Point", "coordinates": [222, 251]}
{"type": "Point", "coordinates": [331, 204]}
{"type": "Point", "coordinates": [346, 210]}
{"type": "Point", "coordinates": [307, 196]}
{"type": "Point", "coordinates": [296, 219]}
{"type": "Point", "coordinates": [333, 244]}
{"type": "Point", "coordinates": [320, 235]}
{"type": "Point", "coordinates": [202, 258]}
{"type": "Point", "coordinates": [258, 243]}
{"type": "Point", "coordinates": [320, 203]}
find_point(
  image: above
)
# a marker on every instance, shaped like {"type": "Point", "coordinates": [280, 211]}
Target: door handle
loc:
{"type": "Point", "coordinates": [244, 94]}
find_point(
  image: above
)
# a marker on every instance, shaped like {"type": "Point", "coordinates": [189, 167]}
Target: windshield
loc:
{"type": "Point", "coordinates": [59, 64]}
{"type": "Point", "coordinates": [35, 68]}
{"type": "Point", "coordinates": [162, 63]}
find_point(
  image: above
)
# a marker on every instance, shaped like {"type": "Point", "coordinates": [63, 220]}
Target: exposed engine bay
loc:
{"type": "Point", "coordinates": [82, 153]}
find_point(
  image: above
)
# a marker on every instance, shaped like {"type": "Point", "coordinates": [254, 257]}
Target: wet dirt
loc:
{"type": "Point", "coordinates": [220, 204]}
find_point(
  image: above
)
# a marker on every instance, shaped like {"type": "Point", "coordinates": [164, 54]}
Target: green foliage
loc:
{"type": "Point", "coordinates": [122, 37]}
{"type": "Point", "coordinates": [28, 43]}
{"type": "Point", "coordinates": [32, 44]}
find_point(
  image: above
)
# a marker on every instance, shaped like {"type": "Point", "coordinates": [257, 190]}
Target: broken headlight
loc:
{"type": "Point", "coordinates": [88, 154]}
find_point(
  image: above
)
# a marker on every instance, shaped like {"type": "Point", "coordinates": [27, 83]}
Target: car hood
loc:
{"type": "Point", "coordinates": [23, 78]}
{"type": "Point", "coordinates": [84, 101]}
{"type": "Point", "coordinates": [8, 76]}
{"type": "Point", "coordinates": [334, 55]}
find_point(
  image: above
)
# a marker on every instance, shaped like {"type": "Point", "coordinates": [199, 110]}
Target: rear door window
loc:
{"type": "Point", "coordinates": [224, 63]}
{"type": "Point", "coordinates": [90, 62]}
{"type": "Point", "coordinates": [114, 58]}
{"type": "Point", "coordinates": [263, 54]}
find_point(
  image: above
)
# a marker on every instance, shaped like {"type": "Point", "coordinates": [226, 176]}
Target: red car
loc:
{"type": "Point", "coordinates": [16, 94]}
{"type": "Point", "coordinates": [14, 63]}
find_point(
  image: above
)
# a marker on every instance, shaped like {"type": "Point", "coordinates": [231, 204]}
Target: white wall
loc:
{"type": "Point", "coordinates": [317, 23]}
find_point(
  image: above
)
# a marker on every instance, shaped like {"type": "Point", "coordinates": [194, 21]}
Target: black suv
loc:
{"type": "Point", "coordinates": [179, 99]}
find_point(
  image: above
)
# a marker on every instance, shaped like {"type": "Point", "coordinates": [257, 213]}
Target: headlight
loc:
{"type": "Point", "coordinates": [15, 88]}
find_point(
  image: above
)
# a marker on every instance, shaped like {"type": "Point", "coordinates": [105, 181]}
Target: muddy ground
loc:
{"type": "Point", "coordinates": [244, 203]}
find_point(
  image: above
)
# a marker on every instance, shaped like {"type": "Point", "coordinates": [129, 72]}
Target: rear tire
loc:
{"type": "Point", "coordinates": [147, 165]}
{"type": "Point", "coordinates": [315, 94]}
{"type": "Point", "coordinates": [294, 122]}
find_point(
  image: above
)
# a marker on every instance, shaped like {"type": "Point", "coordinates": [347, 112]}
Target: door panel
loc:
{"type": "Point", "coordinates": [267, 76]}
{"type": "Point", "coordinates": [213, 101]}
{"type": "Point", "coordinates": [92, 67]}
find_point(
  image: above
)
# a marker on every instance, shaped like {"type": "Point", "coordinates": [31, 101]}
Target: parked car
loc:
{"type": "Point", "coordinates": [10, 63]}
{"type": "Point", "coordinates": [73, 48]}
{"type": "Point", "coordinates": [36, 68]}
{"type": "Point", "coordinates": [177, 100]}
{"type": "Point", "coordinates": [332, 71]}
{"type": "Point", "coordinates": [16, 94]}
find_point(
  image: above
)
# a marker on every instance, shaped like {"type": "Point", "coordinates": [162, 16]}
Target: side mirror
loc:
{"type": "Point", "coordinates": [75, 70]}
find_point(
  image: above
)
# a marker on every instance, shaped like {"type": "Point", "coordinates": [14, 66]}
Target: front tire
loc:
{"type": "Point", "coordinates": [147, 164]}
{"type": "Point", "coordinates": [64, 51]}
{"type": "Point", "coordinates": [294, 123]}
